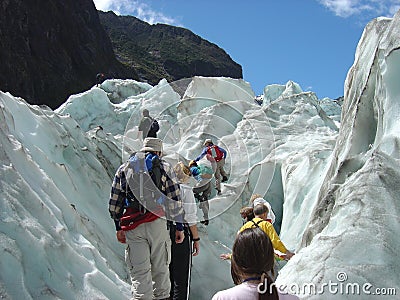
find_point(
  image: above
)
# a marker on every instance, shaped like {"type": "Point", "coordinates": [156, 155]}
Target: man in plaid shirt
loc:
{"type": "Point", "coordinates": [148, 251]}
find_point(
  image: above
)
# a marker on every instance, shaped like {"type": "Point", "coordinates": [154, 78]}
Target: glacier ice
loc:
{"type": "Point", "coordinates": [353, 229]}
{"type": "Point", "coordinates": [257, 139]}
{"type": "Point", "coordinates": [331, 179]}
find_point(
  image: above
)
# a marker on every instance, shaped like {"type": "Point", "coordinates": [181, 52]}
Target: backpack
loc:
{"type": "Point", "coordinates": [143, 179]}
{"type": "Point", "coordinates": [215, 152]}
{"type": "Point", "coordinates": [206, 170]}
{"type": "Point", "coordinates": [154, 127]}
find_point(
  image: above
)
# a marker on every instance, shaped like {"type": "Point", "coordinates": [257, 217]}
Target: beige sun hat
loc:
{"type": "Point", "coordinates": [152, 144]}
{"type": "Point", "coordinates": [207, 141]}
{"type": "Point", "coordinates": [182, 172]}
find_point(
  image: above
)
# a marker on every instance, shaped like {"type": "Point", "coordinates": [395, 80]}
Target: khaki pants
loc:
{"type": "Point", "coordinates": [148, 255]}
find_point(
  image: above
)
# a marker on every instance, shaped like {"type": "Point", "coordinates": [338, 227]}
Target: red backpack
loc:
{"type": "Point", "coordinates": [215, 152]}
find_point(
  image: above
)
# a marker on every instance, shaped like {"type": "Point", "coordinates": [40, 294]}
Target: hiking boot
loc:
{"type": "Point", "coordinates": [219, 193]}
{"type": "Point", "coordinates": [198, 197]}
{"type": "Point", "coordinates": [224, 179]}
{"type": "Point", "coordinates": [205, 222]}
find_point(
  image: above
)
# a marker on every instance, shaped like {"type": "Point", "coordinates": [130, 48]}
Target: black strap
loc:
{"type": "Point", "coordinates": [251, 279]}
{"type": "Point", "coordinates": [156, 172]}
{"type": "Point", "coordinates": [256, 224]}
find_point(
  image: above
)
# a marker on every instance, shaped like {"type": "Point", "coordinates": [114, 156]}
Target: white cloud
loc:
{"type": "Point", "coordinates": [135, 8]}
{"type": "Point", "coordinates": [103, 5]}
{"type": "Point", "coordinates": [367, 8]}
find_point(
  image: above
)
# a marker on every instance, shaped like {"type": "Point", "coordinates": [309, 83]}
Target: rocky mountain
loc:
{"type": "Point", "coordinates": [52, 49]}
{"type": "Point", "coordinates": [163, 51]}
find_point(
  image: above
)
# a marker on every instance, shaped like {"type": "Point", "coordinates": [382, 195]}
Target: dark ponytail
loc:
{"type": "Point", "coordinates": [266, 289]}
{"type": "Point", "coordinates": [252, 253]}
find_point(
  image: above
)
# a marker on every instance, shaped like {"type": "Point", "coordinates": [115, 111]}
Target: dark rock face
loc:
{"type": "Point", "coordinates": [164, 51]}
{"type": "Point", "coordinates": [51, 49]}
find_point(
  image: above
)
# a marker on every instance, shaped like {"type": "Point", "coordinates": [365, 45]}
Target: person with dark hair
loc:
{"type": "Point", "coordinates": [148, 126]}
{"type": "Point", "coordinates": [260, 220]}
{"type": "Point", "coordinates": [246, 213]}
{"type": "Point", "coordinates": [181, 260]}
{"type": "Point", "coordinates": [251, 266]}
{"type": "Point", "coordinates": [260, 212]}
{"type": "Point", "coordinates": [202, 189]}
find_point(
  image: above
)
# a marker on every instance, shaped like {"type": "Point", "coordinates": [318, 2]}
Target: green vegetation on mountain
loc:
{"type": "Point", "coordinates": [163, 51]}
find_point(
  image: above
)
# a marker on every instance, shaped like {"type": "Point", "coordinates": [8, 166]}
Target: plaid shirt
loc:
{"type": "Point", "coordinates": [170, 188]}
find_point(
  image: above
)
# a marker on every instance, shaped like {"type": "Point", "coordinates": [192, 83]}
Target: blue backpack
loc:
{"type": "Point", "coordinates": [143, 179]}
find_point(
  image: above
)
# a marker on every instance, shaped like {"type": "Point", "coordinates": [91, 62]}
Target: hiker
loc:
{"type": "Point", "coordinates": [202, 190]}
{"type": "Point", "coordinates": [260, 220]}
{"type": "Point", "coordinates": [258, 199]}
{"type": "Point", "coordinates": [247, 214]}
{"type": "Point", "coordinates": [219, 155]}
{"type": "Point", "coordinates": [251, 266]}
{"type": "Point", "coordinates": [148, 126]}
{"type": "Point", "coordinates": [100, 77]}
{"type": "Point", "coordinates": [181, 261]}
{"type": "Point", "coordinates": [145, 232]}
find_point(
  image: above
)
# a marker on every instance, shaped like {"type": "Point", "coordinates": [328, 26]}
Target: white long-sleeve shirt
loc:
{"type": "Point", "coordinates": [189, 204]}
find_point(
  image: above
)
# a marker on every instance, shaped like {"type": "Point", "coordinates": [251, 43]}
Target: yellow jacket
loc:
{"type": "Point", "coordinates": [269, 230]}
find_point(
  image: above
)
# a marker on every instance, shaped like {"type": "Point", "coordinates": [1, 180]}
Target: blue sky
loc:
{"type": "Point", "coordinates": [311, 42]}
